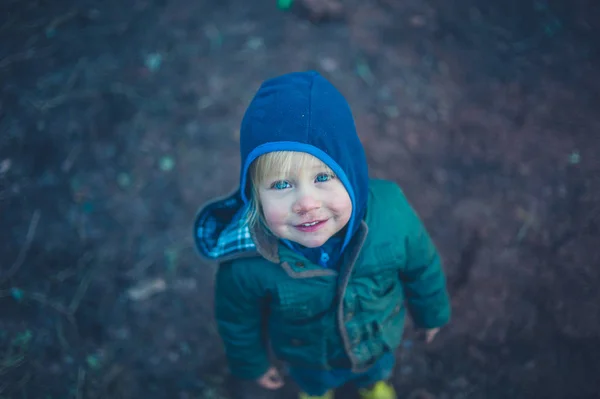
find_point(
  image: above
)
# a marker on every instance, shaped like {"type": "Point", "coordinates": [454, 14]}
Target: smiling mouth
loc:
{"type": "Point", "coordinates": [310, 223]}
{"type": "Point", "coordinates": [311, 226]}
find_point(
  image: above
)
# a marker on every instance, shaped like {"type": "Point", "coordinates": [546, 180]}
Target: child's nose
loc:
{"type": "Point", "coordinates": [305, 204]}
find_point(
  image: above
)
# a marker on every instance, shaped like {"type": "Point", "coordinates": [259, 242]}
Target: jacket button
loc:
{"type": "Point", "coordinates": [299, 264]}
{"type": "Point", "coordinates": [296, 342]}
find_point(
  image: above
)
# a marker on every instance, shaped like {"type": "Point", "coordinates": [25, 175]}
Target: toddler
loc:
{"type": "Point", "coordinates": [316, 261]}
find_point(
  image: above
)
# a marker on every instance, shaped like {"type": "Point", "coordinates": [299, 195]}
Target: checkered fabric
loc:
{"type": "Point", "coordinates": [220, 228]}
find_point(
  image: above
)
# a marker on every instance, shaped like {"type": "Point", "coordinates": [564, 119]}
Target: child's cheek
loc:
{"type": "Point", "coordinates": [342, 206]}
{"type": "Point", "coordinates": [273, 216]}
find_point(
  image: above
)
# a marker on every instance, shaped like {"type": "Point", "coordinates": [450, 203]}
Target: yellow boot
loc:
{"type": "Point", "coordinates": [381, 390]}
{"type": "Point", "coordinates": [328, 395]}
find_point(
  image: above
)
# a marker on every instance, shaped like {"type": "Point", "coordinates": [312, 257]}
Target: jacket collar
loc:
{"type": "Point", "coordinates": [269, 247]}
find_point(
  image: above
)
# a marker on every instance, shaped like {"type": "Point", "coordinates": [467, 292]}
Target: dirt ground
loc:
{"type": "Point", "coordinates": [119, 119]}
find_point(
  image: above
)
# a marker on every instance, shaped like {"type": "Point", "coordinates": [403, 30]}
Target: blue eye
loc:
{"type": "Point", "coordinates": [323, 177]}
{"type": "Point", "coordinates": [280, 185]}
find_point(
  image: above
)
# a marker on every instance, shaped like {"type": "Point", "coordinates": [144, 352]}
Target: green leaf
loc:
{"type": "Point", "coordinates": [87, 207]}
{"type": "Point", "coordinates": [285, 4]}
{"type": "Point", "coordinates": [22, 339]}
{"type": "Point", "coordinates": [167, 163]}
{"type": "Point", "coordinates": [17, 294]}
{"type": "Point", "coordinates": [574, 158]}
{"type": "Point", "coordinates": [171, 256]}
{"type": "Point", "coordinates": [153, 61]}
{"type": "Point", "coordinates": [364, 72]}
{"type": "Point", "coordinates": [93, 362]}
{"type": "Point", "coordinates": [124, 180]}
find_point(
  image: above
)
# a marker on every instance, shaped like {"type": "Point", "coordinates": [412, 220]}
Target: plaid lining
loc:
{"type": "Point", "coordinates": [220, 229]}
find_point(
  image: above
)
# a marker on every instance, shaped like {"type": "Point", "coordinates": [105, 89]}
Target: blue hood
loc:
{"type": "Point", "coordinates": [295, 112]}
{"type": "Point", "coordinates": [304, 112]}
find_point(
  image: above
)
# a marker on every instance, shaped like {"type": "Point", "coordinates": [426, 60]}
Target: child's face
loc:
{"type": "Point", "coordinates": [307, 206]}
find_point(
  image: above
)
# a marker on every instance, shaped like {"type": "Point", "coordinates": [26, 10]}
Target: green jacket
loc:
{"type": "Point", "coordinates": [321, 318]}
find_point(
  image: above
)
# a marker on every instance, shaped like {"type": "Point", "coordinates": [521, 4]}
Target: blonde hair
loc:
{"type": "Point", "coordinates": [274, 165]}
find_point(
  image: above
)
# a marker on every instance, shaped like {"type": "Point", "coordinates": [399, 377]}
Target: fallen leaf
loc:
{"type": "Point", "coordinates": [153, 61]}
{"type": "Point", "coordinates": [284, 4]}
{"type": "Point", "coordinates": [5, 166]}
{"type": "Point", "coordinates": [123, 180]}
{"type": "Point", "coordinates": [574, 158]}
{"type": "Point", "coordinates": [17, 294]}
{"type": "Point", "coordinates": [166, 163]}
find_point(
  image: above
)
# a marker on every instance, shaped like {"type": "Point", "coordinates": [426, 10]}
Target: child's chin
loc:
{"type": "Point", "coordinates": [313, 243]}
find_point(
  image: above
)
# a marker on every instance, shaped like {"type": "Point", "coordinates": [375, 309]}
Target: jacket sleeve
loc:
{"type": "Point", "coordinates": [422, 276]}
{"type": "Point", "coordinates": [239, 314]}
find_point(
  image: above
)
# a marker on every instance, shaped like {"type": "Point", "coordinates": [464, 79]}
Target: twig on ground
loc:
{"type": "Point", "coordinates": [140, 267]}
{"type": "Point", "coordinates": [530, 220]}
{"type": "Point", "coordinates": [73, 271]}
{"type": "Point", "coordinates": [66, 95]}
{"type": "Point", "coordinates": [75, 74]}
{"type": "Point", "coordinates": [41, 299]}
{"type": "Point", "coordinates": [56, 22]}
{"type": "Point", "coordinates": [61, 336]}
{"type": "Point", "coordinates": [129, 92]}
{"type": "Point", "coordinates": [65, 274]}
{"type": "Point", "coordinates": [113, 373]}
{"type": "Point", "coordinates": [23, 253]}
{"type": "Point", "coordinates": [22, 56]}
{"type": "Point", "coordinates": [80, 381]}
{"type": "Point", "coordinates": [46, 105]}
{"type": "Point", "coordinates": [10, 362]}
{"type": "Point", "coordinates": [146, 289]}
{"type": "Point", "coordinates": [68, 312]}
{"type": "Point", "coordinates": [81, 290]}
{"type": "Point", "coordinates": [9, 59]}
